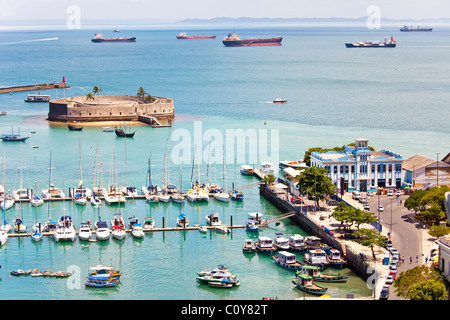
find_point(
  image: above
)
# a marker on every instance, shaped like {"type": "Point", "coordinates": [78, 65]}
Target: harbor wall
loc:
{"type": "Point", "coordinates": [109, 108]}
{"type": "Point", "coordinates": [32, 87]}
{"type": "Point", "coordinates": [354, 259]}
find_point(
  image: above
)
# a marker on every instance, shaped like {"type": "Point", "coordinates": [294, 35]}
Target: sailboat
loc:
{"type": "Point", "coordinates": [223, 196]}
{"type": "Point", "coordinates": [7, 201]}
{"type": "Point", "coordinates": [197, 192]}
{"type": "Point", "coordinates": [118, 226]}
{"type": "Point", "coordinates": [19, 226]}
{"type": "Point", "coordinates": [97, 189]}
{"type": "Point", "coordinates": [127, 190]}
{"type": "Point", "coordinates": [5, 227]}
{"type": "Point", "coordinates": [37, 229]}
{"type": "Point", "coordinates": [3, 237]}
{"type": "Point", "coordinates": [50, 226]}
{"type": "Point", "coordinates": [178, 197]}
{"type": "Point", "coordinates": [236, 194]}
{"type": "Point", "coordinates": [114, 194]}
{"type": "Point", "coordinates": [52, 191]}
{"type": "Point", "coordinates": [149, 190]}
{"type": "Point", "coordinates": [36, 200]}
{"type": "Point", "coordinates": [81, 194]}
{"type": "Point", "coordinates": [84, 233]}
{"type": "Point", "coordinates": [102, 232]}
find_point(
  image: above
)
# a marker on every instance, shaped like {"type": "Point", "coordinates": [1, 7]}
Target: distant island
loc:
{"type": "Point", "coordinates": [228, 20]}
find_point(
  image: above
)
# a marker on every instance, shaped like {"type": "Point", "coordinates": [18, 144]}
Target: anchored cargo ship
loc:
{"type": "Point", "coordinates": [98, 38]}
{"type": "Point", "coordinates": [405, 28]}
{"type": "Point", "coordinates": [183, 35]}
{"type": "Point", "coordinates": [373, 44]}
{"type": "Point", "coordinates": [234, 40]}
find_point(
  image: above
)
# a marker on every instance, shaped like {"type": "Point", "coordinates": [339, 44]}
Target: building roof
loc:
{"type": "Point", "coordinates": [446, 159]}
{"type": "Point", "coordinates": [416, 162]}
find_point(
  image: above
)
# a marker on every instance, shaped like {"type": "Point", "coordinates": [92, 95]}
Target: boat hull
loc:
{"type": "Point", "coordinates": [253, 42]}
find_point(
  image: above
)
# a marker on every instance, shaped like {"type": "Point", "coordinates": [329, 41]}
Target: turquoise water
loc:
{"type": "Point", "coordinates": [395, 98]}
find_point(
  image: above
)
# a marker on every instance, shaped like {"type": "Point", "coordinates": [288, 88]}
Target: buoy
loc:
{"type": "Point", "coordinates": [265, 123]}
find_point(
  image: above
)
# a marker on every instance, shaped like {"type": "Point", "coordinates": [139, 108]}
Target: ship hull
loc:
{"type": "Point", "coordinates": [253, 42]}
{"type": "Point", "coordinates": [101, 40]}
{"type": "Point", "coordinates": [196, 37]}
{"type": "Point", "coordinates": [416, 30]}
{"type": "Point", "coordinates": [352, 45]}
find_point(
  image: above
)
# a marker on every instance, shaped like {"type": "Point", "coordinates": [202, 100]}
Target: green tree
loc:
{"type": "Point", "coordinates": [406, 279]}
{"type": "Point", "coordinates": [96, 90]}
{"type": "Point", "coordinates": [439, 231]}
{"type": "Point", "coordinates": [342, 213]}
{"type": "Point", "coordinates": [141, 92]}
{"type": "Point", "coordinates": [269, 178]}
{"type": "Point", "coordinates": [414, 201]}
{"type": "Point", "coordinates": [89, 96]}
{"type": "Point", "coordinates": [315, 183]}
{"type": "Point", "coordinates": [360, 217]}
{"type": "Point", "coordinates": [427, 290]}
{"type": "Point", "coordinates": [370, 238]}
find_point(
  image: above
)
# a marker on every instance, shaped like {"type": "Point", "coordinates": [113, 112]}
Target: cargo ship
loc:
{"type": "Point", "coordinates": [234, 40]}
{"type": "Point", "coordinates": [183, 35]}
{"type": "Point", "coordinates": [98, 38]}
{"type": "Point", "coordinates": [373, 44]}
{"type": "Point", "coordinates": [405, 28]}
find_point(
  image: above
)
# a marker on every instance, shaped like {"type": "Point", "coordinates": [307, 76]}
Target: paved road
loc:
{"type": "Point", "coordinates": [406, 232]}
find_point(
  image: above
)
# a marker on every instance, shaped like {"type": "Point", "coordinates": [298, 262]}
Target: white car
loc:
{"type": "Point", "coordinates": [390, 192]}
{"type": "Point", "coordinates": [389, 280]}
{"type": "Point", "coordinates": [398, 193]}
{"type": "Point", "coordinates": [393, 267]}
{"type": "Point", "coordinates": [380, 208]}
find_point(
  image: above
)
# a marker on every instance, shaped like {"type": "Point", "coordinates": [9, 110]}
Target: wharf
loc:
{"type": "Point", "coordinates": [195, 227]}
{"type": "Point", "coordinates": [32, 87]}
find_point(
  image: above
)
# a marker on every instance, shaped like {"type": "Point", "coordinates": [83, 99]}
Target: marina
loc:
{"type": "Point", "coordinates": [165, 249]}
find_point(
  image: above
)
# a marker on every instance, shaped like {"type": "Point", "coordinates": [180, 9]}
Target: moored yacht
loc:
{"type": "Point", "coordinates": [118, 227]}
{"type": "Point", "coordinates": [84, 233]}
{"type": "Point", "coordinates": [102, 230]}
{"type": "Point", "coordinates": [65, 230]}
{"type": "Point", "coordinates": [213, 219]}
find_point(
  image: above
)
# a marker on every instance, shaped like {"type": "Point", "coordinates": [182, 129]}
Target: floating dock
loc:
{"type": "Point", "coordinates": [32, 87]}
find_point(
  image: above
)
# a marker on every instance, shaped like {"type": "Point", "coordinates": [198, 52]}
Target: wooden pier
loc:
{"type": "Point", "coordinates": [32, 87]}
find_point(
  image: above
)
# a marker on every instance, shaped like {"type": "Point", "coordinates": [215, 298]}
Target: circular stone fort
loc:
{"type": "Point", "coordinates": [111, 108]}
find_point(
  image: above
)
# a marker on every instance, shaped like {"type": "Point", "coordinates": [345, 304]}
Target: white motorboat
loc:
{"type": "Point", "coordinates": [130, 191]}
{"type": "Point", "coordinates": [177, 197]}
{"type": "Point", "coordinates": [297, 243]}
{"type": "Point", "coordinates": [65, 230]}
{"type": "Point", "coordinates": [182, 220]}
{"type": "Point", "coordinates": [202, 228]}
{"type": "Point", "coordinates": [257, 216]}
{"type": "Point", "coordinates": [3, 237]}
{"type": "Point", "coordinates": [36, 236]}
{"type": "Point", "coordinates": [136, 230]}
{"type": "Point", "coordinates": [22, 194]}
{"type": "Point", "coordinates": [80, 199]}
{"type": "Point", "coordinates": [95, 201]}
{"type": "Point", "coordinates": [280, 242]}
{"type": "Point", "coordinates": [118, 227]}
{"type": "Point", "coordinates": [19, 227]}
{"type": "Point", "coordinates": [222, 229]}
{"type": "Point", "coordinates": [7, 203]}
{"type": "Point", "coordinates": [164, 197]}
{"type": "Point", "coordinates": [53, 192]}
{"type": "Point", "coordinates": [149, 223]}
{"type": "Point", "coordinates": [37, 201]}
{"type": "Point", "coordinates": [102, 230]}
{"type": "Point", "coordinates": [84, 233]}
{"type": "Point", "coordinates": [221, 196]}
{"type": "Point", "coordinates": [114, 196]}
{"type": "Point", "coordinates": [213, 219]}
{"type": "Point", "coordinates": [247, 170]}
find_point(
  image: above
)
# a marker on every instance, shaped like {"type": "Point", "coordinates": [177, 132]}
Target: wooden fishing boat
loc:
{"type": "Point", "coordinates": [75, 127]}
{"type": "Point", "coordinates": [122, 133]}
{"type": "Point", "coordinates": [305, 283]}
{"type": "Point", "coordinates": [315, 273]}
{"type": "Point", "coordinates": [287, 260]}
{"type": "Point", "coordinates": [21, 272]}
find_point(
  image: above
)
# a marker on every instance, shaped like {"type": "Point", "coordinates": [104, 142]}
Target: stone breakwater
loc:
{"type": "Point", "coordinates": [109, 108]}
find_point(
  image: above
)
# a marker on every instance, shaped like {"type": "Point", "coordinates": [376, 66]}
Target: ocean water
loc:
{"type": "Point", "coordinates": [394, 97]}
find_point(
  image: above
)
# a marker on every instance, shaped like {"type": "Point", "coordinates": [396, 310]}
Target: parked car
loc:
{"type": "Point", "coordinates": [384, 294]}
{"type": "Point", "coordinates": [389, 280]}
{"type": "Point", "coordinates": [390, 192]}
{"type": "Point", "coordinates": [398, 193]}
{"type": "Point", "coordinates": [393, 266]}
{"type": "Point", "coordinates": [380, 208]}
{"type": "Point", "coordinates": [297, 200]}
{"type": "Point", "coordinates": [332, 202]}
{"type": "Point", "coordinates": [393, 273]}
{"type": "Point", "coordinates": [366, 206]}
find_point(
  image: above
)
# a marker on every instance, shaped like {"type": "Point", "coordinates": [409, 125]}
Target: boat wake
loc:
{"type": "Point", "coordinates": [33, 40]}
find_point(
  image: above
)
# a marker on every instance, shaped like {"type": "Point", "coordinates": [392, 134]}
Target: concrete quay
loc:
{"type": "Point", "coordinates": [32, 87]}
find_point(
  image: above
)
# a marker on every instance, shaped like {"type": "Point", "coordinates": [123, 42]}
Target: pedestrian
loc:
{"type": "Point", "coordinates": [426, 259]}
{"type": "Point", "coordinates": [410, 259]}
{"type": "Point", "coordinates": [417, 259]}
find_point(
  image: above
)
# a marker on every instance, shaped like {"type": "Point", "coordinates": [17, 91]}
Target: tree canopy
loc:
{"type": "Point", "coordinates": [420, 283]}
{"type": "Point", "coordinates": [370, 238]}
{"type": "Point", "coordinates": [315, 183]}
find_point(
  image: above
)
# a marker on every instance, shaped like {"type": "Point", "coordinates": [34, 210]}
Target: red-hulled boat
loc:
{"type": "Point", "coordinates": [279, 100]}
{"type": "Point", "coordinates": [234, 40]}
{"type": "Point", "coordinates": [183, 35]}
{"type": "Point", "coordinates": [98, 38]}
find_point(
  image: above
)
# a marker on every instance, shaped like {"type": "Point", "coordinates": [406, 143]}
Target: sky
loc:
{"type": "Point", "coordinates": [176, 10]}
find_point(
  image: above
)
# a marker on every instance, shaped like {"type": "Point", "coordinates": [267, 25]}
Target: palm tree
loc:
{"type": "Point", "coordinates": [96, 90]}
{"type": "Point", "coordinates": [90, 96]}
{"type": "Point", "coordinates": [141, 92]}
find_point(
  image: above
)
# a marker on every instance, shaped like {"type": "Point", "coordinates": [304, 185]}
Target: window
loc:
{"type": "Point", "coordinates": [335, 169]}
{"type": "Point", "coordinates": [373, 168]}
{"type": "Point", "coordinates": [390, 168]}
{"type": "Point", "coordinates": [353, 169]}
{"type": "Point", "coordinates": [342, 169]}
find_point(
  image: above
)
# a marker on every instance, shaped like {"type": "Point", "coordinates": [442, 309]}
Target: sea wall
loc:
{"type": "Point", "coordinates": [108, 108]}
{"type": "Point", "coordinates": [355, 260]}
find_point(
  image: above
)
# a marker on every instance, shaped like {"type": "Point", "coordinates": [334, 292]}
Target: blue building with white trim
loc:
{"type": "Point", "coordinates": [358, 168]}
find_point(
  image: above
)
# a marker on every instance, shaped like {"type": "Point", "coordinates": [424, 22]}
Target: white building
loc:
{"type": "Point", "coordinates": [358, 168]}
